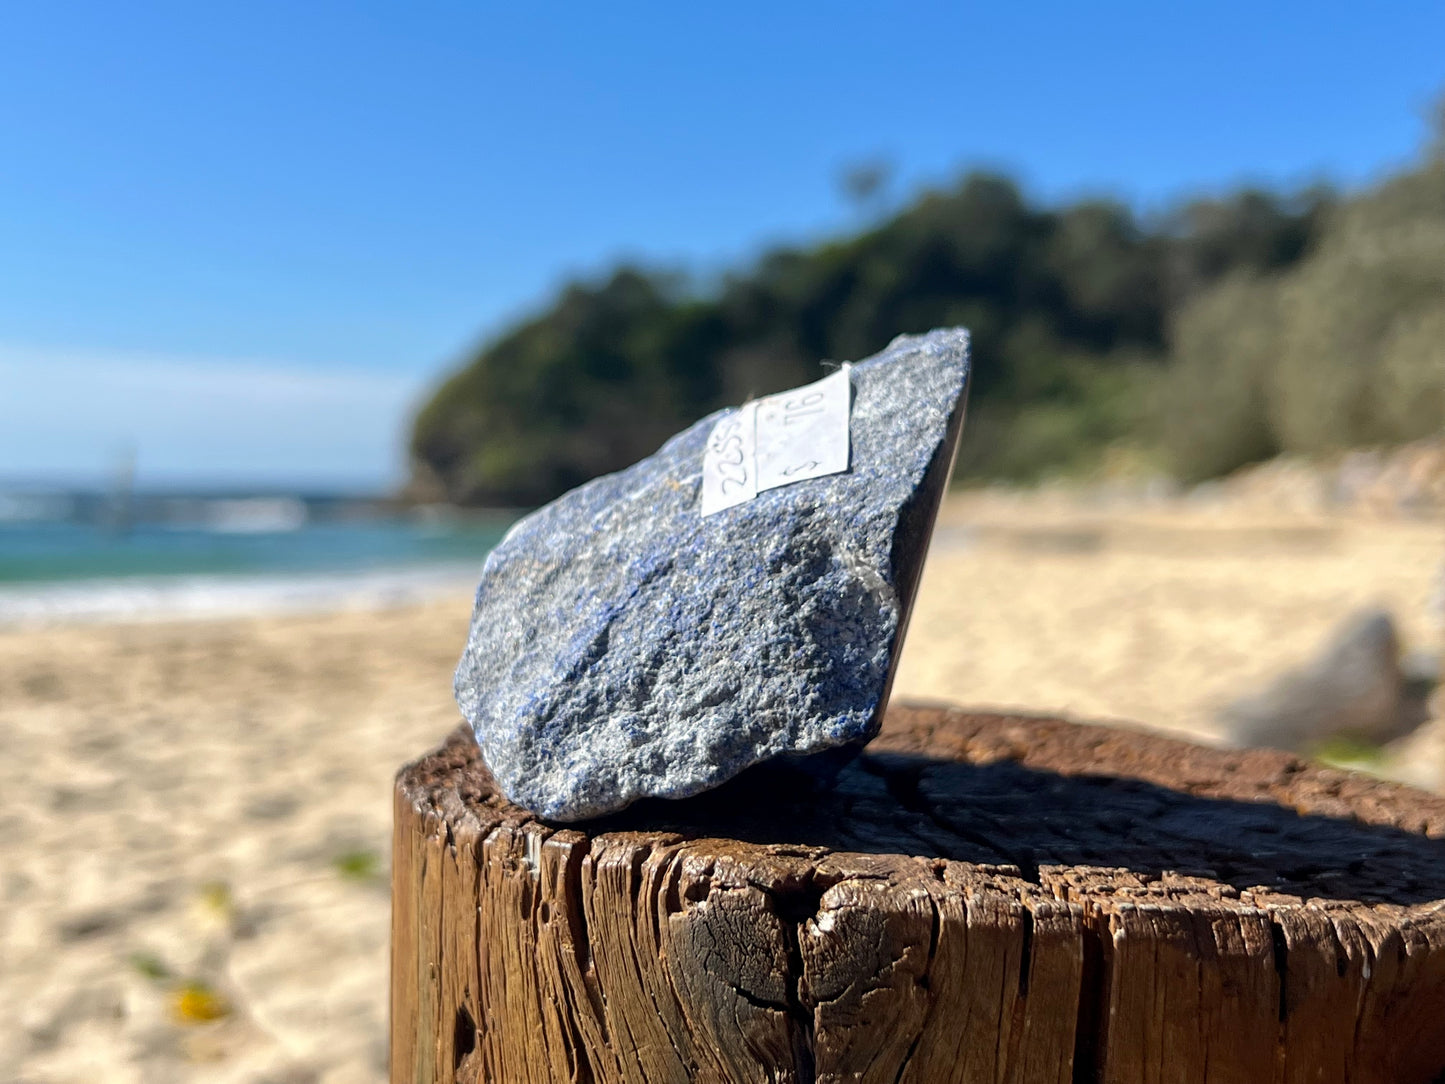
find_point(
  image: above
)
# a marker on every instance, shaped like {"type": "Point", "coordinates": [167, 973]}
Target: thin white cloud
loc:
{"type": "Point", "coordinates": [75, 413]}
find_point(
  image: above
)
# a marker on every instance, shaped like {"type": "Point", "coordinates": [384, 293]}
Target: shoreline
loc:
{"type": "Point", "coordinates": [1044, 520]}
{"type": "Point", "coordinates": [105, 600]}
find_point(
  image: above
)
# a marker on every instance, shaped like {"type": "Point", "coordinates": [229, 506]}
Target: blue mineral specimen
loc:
{"type": "Point", "coordinates": [625, 646]}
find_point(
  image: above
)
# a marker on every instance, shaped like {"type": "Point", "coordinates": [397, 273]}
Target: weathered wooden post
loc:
{"type": "Point", "coordinates": [977, 898]}
{"type": "Point", "coordinates": [664, 663]}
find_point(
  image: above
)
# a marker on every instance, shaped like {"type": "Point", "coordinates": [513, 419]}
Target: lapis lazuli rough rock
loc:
{"type": "Point", "coordinates": [625, 646]}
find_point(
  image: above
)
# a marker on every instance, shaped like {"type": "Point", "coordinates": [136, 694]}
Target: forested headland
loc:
{"type": "Point", "coordinates": [1224, 331]}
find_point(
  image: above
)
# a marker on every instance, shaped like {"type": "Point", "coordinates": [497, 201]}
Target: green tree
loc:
{"type": "Point", "coordinates": [1068, 307]}
{"type": "Point", "coordinates": [1357, 360]}
{"type": "Point", "coordinates": [1214, 409]}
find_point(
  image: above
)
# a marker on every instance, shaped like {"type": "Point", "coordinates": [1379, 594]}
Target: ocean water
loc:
{"type": "Point", "coordinates": [228, 557]}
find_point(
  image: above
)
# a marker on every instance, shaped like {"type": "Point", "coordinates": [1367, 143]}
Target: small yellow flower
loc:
{"type": "Point", "coordinates": [197, 1003]}
{"type": "Point", "coordinates": [215, 898]}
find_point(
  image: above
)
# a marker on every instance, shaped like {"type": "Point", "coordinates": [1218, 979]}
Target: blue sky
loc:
{"type": "Point", "coordinates": [244, 238]}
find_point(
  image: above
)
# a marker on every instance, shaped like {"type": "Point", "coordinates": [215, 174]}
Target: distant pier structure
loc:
{"type": "Point", "coordinates": [120, 503]}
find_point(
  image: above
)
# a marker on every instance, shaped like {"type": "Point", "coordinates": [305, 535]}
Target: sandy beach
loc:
{"type": "Point", "coordinates": [194, 816]}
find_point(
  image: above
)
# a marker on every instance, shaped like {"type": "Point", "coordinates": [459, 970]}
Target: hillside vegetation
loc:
{"type": "Point", "coordinates": [1223, 332]}
{"type": "Point", "coordinates": [1346, 348]}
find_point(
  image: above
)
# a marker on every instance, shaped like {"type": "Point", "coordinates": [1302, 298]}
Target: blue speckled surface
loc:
{"type": "Point", "coordinates": [622, 646]}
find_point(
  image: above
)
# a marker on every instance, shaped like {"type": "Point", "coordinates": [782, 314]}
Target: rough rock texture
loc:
{"type": "Point", "coordinates": [623, 646]}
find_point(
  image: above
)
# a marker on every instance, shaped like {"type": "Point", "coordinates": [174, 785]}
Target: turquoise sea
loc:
{"type": "Point", "coordinates": [196, 556]}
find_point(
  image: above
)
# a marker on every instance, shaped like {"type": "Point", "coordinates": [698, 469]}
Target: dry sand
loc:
{"type": "Point", "coordinates": [194, 817]}
{"type": "Point", "coordinates": [1157, 614]}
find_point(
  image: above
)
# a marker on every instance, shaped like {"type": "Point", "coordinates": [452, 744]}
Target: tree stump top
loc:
{"type": "Point", "coordinates": [976, 897]}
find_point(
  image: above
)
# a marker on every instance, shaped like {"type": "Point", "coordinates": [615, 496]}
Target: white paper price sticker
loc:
{"type": "Point", "coordinates": [777, 440]}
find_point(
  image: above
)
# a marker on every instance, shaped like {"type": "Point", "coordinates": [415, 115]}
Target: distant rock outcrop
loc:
{"type": "Point", "coordinates": [1407, 481]}
{"type": "Point", "coordinates": [1355, 687]}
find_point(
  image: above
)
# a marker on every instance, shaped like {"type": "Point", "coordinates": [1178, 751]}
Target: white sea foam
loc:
{"type": "Point", "coordinates": [191, 597]}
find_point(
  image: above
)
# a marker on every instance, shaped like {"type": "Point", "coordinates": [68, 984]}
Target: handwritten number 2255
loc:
{"type": "Point", "coordinates": [727, 443]}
